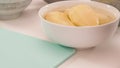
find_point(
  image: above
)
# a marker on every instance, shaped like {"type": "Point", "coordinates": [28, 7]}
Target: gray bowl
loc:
{"type": "Point", "coordinates": [11, 9]}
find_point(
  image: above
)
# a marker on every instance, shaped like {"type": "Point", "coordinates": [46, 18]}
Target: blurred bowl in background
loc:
{"type": "Point", "coordinates": [11, 9]}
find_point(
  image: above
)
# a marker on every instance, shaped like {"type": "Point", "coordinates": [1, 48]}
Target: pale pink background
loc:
{"type": "Point", "coordinates": [103, 56]}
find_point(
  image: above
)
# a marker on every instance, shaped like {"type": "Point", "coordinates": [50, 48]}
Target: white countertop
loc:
{"type": "Point", "coordinates": [103, 56]}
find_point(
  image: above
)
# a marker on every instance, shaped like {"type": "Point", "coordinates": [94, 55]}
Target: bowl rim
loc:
{"type": "Point", "coordinates": [48, 22]}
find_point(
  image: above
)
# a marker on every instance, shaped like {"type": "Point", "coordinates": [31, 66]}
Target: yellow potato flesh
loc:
{"type": "Point", "coordinates": [80, 15]}
{"type": "Point", "coordinates": [58, 17]}
{"type": "Point", "coordinates": [83, 15]}
{"type": "Point", "coordinates": [104, 18]}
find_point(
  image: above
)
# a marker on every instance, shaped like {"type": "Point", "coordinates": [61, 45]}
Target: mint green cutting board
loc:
{"type": "Point", "coordinates": [21, 51]}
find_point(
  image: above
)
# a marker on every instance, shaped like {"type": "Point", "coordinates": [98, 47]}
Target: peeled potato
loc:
{"type": "Point", "coordinates": [83, 15]}
{"type": "Point", "coordinates": [104, 18]}
{"type": "Point", "coordinates": [58, 17]}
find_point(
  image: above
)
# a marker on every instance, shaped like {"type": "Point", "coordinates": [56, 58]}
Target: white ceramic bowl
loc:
{"type": "Point", "coordinates": [10, 9]}
{"type": "Point", "coordinates": [78, 37]}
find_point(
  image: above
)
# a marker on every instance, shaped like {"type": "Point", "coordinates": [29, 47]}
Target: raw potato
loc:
{"type": "Point", "coordinates": [80, 15]}
{"type": "Point", "coordinates": [83, 15]}
{"type": "Point", "coordinates": [59, 18]}
{"type": "Point", "coordinates": [104, 18]}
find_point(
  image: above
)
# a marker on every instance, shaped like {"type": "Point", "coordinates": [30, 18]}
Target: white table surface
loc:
{"type": "Point", "coordinates": [103, 56]}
